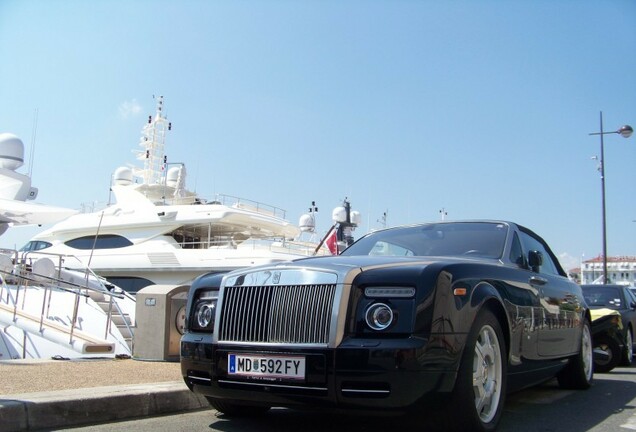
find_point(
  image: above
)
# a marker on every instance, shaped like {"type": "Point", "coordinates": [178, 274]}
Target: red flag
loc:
{"type": "Point", "coordinates": [332, 242]}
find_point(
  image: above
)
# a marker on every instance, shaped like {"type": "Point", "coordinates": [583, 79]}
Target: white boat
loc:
{"type": "Point", "coordinates": [158, 233]}
{"type": "Point", "coordinates": [48, 310]}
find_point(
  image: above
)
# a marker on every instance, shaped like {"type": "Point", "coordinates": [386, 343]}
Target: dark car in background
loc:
{"type": "Point", "coordinates": [613, 339]}
{"type": "Point", "coordinates": [454, 314]}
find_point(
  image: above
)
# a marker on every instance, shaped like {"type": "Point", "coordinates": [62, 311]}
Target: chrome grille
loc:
{"type": "Point", "coordinates": [297, 314]}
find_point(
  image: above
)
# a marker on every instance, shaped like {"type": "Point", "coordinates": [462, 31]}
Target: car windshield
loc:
{"type": "Point", "coordinates": [485, 239]}
{"type": "Point", "coordinates": [602, 296]}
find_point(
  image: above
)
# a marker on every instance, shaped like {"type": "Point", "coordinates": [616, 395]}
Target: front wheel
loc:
{"type": "Point", "coordinates": [578, 373]}
{"type": "Point", "coordinates": [607, 354]}
{"type": "Point", "coordinates": [480, 390]}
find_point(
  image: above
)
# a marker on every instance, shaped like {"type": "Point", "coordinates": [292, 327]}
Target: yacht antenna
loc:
{"type": "Point", "coordinates": [33, 135]}
{"type": "Point", "coordinates": [90, 257]}
{"type": "Point", "coordinates": [382, 220]}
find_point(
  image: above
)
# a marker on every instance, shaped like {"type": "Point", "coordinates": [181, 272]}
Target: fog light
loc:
{"type": "Point", "coordinates": [379, 316]}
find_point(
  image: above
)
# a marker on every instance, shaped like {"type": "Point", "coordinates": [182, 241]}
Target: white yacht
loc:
{"type": "Point", "coordinates": [158, 232]}
{"type": "Point", "coordinates": [48, 310]}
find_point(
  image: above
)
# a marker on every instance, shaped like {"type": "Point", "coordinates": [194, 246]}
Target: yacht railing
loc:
{"type": "Point", "coordinates": [246, 204]}
{"type": "Point", "coordinates": [22, 275]}
{"type": "Point", "coordinates": [222, 199]}
{"type": "Point", "coordinates": [295, 247]}
{"type": "Point", "coordinates": [278, 244]}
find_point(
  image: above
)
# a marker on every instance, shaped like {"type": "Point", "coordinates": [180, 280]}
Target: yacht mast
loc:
{"type": "Point", "coordinates": [153, 140]}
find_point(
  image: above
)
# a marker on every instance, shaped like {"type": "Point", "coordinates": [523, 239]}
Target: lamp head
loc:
{"type": "Point", "coordinates": [626, 131]}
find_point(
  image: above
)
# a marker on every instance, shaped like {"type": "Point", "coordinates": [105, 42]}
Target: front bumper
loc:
{"type": "Point", "coordinates": [369, 373]}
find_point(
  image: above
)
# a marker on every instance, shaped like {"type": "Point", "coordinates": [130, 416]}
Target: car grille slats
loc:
{"type": "Point", "coordinates": [298, 314]}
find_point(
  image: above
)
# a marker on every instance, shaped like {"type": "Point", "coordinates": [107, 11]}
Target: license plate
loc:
{"type": "Point", "coordinates": [267, 366]}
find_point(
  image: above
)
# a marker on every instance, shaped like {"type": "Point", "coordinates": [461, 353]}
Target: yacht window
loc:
{"type": "Point", "coordinates": [106, 241]}
{"type": "Point", "coordinates": [129, 283]}
{"type": "Point", "coordinates": [35, 246]}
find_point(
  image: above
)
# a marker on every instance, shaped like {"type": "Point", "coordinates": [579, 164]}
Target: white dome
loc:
{"type": "Point", "coordinates": [172, 178]}
{"type": "Point", "coordinates": [44, 267]}
{"type": "Point", "coordinates": [356, 218]}
{"type": "Point", "coordinates": [339, 214]}
{"type": "Point", "coordinates": [123, 176]}
{"type": "Point", "coordinates": [307, 223]}
{"type": "Point", "coordinates": [6, 264]}
{"type": "Point", "coordinates": [11, 151]}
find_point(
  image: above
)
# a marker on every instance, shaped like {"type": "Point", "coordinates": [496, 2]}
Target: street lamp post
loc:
{"type": "Point", "coordinates": [625, 131]}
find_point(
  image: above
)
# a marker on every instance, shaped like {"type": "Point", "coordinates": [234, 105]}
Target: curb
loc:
{"type": "Point", "coordinates": [64, 408]}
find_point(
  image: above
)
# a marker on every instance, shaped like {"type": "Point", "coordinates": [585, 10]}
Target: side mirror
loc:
{"type": "Point", "coordinates": [535, 260]}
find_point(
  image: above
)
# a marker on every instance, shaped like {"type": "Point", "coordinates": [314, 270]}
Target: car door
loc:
{"type": "Point", "coordinates": [630, 314]}
{"type": "Point", "coordinates": [558, 329]}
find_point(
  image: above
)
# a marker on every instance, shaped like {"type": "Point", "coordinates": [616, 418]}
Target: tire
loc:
{"type": "Point", "coordinates": [579, 372]}
{"type": "Point", "coordinates": [480, 390]}
{"type": "Point", "coordinates": [236, 410]}
{"type": "Point", "coordinates": [628, 351]}
{"type": "Point", "coordinates": [613, 353]}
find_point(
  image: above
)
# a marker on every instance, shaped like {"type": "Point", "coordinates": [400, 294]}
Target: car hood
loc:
{"type": "Point", "coordinates": [602, 312]}
{"type": "Point", "coordinates": [373, 261]}
{"type": "Point", "coordinates": [334, 269]}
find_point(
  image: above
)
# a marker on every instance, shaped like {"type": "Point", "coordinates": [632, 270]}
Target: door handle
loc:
{"type": "Point", "coordinates": [536, 280]}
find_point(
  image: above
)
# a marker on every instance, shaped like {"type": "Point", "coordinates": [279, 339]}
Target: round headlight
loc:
{"type": "Point", "coordinates": [379, 316]}
{"type": "Point", "coordinates": [205, 315]}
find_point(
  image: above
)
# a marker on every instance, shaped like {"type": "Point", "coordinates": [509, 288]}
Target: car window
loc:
{"type": "Point", "coordinates": [603, 296]}
{"type": "Point", "coordinates": [631, 297]}
{"type": "Point", "coordinates": [383, 248]}
{"type": "Point", "coordinates": [516, 252]}
{"type": "Point", "coordinates": [532, 244]}
{"type": "Point", "coordinates": [483, 239]}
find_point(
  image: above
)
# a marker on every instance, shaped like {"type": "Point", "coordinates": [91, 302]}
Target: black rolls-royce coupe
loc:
{"type": "Point", "coordinates": [461, 312]}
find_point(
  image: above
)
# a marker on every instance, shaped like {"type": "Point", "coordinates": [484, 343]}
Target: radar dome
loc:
{"type": "Point", "coordinates": [356, 217]}
{"type": "Point", "coordinates": [123, 176]}
{"type": "Point", "coordinates": [307, 223]}
{"type": "Point", "coordinates": [11, 151]}
{"type": "Point", "coordinates": [173, 175]}
{"type": "Point", "coordinates": [339, 214]}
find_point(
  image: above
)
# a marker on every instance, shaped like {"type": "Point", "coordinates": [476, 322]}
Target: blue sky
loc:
{"type": "Point", "coordinates": [480, 108]}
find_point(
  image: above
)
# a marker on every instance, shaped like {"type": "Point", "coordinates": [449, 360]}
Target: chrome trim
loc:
{"type": "Point", "coordinates": [283, 275]}
{"type": "Point", "coordinates": [339, 316]}
{"type": "Point", "coordinates": [271, 345]}
{"type": "Point", "coordinates": [271, 385]}
{"type": "Point", "coordinates": [280, 276]}
{"type": "Point", "coordinates": [365, 391]}
{"type": "Point", "coordinates": [195, 378]}
{"type": "Point", "coordinates": [273, 314]}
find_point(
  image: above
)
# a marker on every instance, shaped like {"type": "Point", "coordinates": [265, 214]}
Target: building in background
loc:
{"type": "Point", "coordinates": [620, 270]}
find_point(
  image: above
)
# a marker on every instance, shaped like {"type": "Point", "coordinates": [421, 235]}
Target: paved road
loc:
{"type": "Point", "coordinates": [610, 405]}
